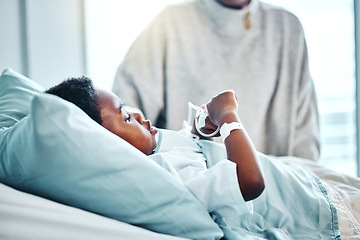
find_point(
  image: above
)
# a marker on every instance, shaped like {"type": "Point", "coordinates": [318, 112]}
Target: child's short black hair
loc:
{"type": "Point", "coordinates": [81, 92]}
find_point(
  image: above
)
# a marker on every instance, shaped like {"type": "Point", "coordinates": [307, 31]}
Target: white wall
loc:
{"type": "Point", "coordinates": [111, 28]}
{"type": "Point", "coordinates": [42, 39]}
{"type": "Point", "coordinates": [11, 35]}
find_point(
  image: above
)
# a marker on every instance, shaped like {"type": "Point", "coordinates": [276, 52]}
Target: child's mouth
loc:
{"type": "Point", "coordinates": [153, 130]}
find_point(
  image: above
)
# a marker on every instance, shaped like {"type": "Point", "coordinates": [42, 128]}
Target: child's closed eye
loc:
{"type": "Point", "coordinates": [128, 118]}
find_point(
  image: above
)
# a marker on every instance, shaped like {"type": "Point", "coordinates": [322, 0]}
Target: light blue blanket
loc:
{"type": "Point", "coordinates": [294, 204]}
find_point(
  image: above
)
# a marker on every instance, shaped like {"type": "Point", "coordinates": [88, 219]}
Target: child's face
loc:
{"type": "Point", "coordinates": [128, 125]}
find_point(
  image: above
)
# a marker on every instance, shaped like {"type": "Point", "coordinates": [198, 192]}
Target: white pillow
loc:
{"type": "Point", "coordinates": [59, 153]}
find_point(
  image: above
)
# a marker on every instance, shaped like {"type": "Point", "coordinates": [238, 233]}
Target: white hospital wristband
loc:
{"type": "Point", "coordinates": [226, 128]}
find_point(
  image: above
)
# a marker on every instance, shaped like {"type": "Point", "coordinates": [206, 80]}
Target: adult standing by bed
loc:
{"type": "Point", "coordinates": [195, 49]}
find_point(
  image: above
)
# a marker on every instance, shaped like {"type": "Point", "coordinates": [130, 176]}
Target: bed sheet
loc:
{"type": "Point", "coordinates": [343, 190]}
{"type": "Point", "coordinates": [25, 216]}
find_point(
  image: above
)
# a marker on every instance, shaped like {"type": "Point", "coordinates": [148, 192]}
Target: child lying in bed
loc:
{"type": "Point", "coordinates": [294, 204]}
{"type": "Point", "coordinates": [108, 110]}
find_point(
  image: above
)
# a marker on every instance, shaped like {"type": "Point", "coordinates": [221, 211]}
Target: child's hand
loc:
{"type": "Point", "coordinates": [223, 108]}
{"type": "Point", "coordinates": [209, 128]}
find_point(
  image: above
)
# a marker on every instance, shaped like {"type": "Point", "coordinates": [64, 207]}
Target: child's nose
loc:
{"type": "Point", "coordinates": [138, 117]}
{"type": "Point", "coordinates": [147, 123]}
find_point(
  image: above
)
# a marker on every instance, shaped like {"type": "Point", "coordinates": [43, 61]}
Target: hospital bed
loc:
{"type": "Point", "coordinates": [62, 176]}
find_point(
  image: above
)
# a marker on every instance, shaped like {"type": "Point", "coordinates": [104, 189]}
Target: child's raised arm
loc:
{"type": "Point", "coordinates": [222, 110]}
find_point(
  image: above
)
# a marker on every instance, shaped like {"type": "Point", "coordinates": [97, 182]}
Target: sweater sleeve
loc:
{"type": "Point", "coordinates": [307, 133]}
{"type": "Point", "coordinates": [139, 81]}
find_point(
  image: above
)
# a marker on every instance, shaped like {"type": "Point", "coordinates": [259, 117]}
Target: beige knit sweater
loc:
{"type": "Point", "coordinates": [194, 50]}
